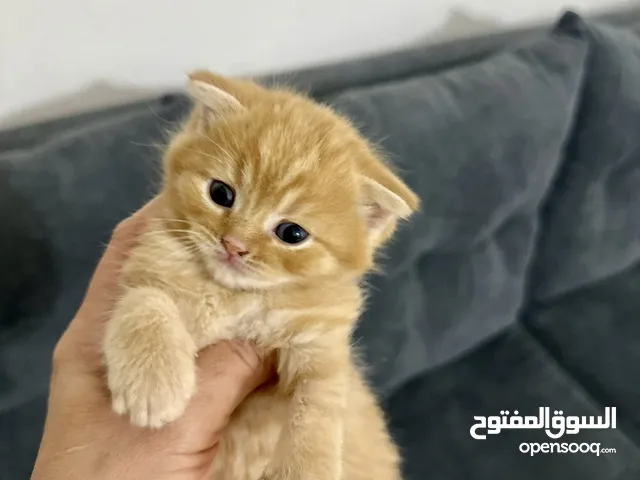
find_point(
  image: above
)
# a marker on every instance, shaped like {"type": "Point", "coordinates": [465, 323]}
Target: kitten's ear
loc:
{"type": "Point", "coordinates": [385, 199]}
{"type": "Point", "coordinates": [213, 103]}
{"type": "Point", "coordinates": [246, 91]}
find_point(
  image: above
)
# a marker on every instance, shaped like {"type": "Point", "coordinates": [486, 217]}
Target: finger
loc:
{"type": "Point", "coordinates": [228, 373]}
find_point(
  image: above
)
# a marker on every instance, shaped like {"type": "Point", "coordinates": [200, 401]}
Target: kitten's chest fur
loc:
{"type": "Point", "coordinates": [274, 319]}
{"type": "Point", "coordinates": [215, 313]}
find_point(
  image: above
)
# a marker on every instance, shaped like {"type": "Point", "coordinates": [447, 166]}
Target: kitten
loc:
{"type": "Point", "coordinates": [272, 209]}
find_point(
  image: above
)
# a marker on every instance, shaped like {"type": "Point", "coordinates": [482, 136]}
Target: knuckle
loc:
{"type": "Point", "coordinates": [121, 231]}
{"type": "Point", "coordinates": [60, 355]}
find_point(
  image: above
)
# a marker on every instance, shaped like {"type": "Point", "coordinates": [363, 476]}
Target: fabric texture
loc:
{"type": "Point", "coordinates": [516, 287]}
{"type": "Point", "coordinates": [480, 145]}
{"type": "Point", "coordinates": [576, 346]}
{"type": "Point", "coordinates": [586, 284]}
{"type": "Point", "coordinates": [59, 202]}
{"type": "Point", "coordinates": [592, 226]}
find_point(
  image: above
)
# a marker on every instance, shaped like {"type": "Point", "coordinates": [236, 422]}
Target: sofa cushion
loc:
{"type": "Point", "coordinates": [432, 415]}
{"type": "Point", "coordinates": [59, 201]}
{"type": "Point", "coordinates": [577, 347]}
{"type": "Point", "coordinates": [586, 282]}
{"type": "Point", "coordinates": [591, 221]}
{"type": "Point", "coordinates": [480, 145]}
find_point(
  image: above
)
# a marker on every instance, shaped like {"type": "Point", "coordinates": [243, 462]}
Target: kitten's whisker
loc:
{"type": "Point", "coordinates": [158, 146]}
{"type": "Point", "coordinates": [113, 246]}
{"type": "Point", "coordinates": [196, 227]}
{"type": "Point", "coordinates": [204, 231]}
{"type": "Point", "coordinates": [210, 238]}
{"type": "Point", "coordinates": [208, 155]}
{"type": "Point", "coordinates": [181, 220]}
{"type": "Point", "coordinates": [188, 222]}
{"type": "Point", "coordinates": [233, 137]}
{"type": "Point", "coordinates": [184, 220]}
{"type": "Point", "coordinates": [171, 255]}
{"type": "Point", "coordinates": [168, 230]}
{"type": "Point", "coordinates": [157, 234]}
{"type": "Point", "coordinates": [171, 230]}
{"type": "Point", "coordinates": [169, 122]}
{"type": "Point", "coordinates": [216, 144]}
{"type": "Point", "coordinates": [173, 219]}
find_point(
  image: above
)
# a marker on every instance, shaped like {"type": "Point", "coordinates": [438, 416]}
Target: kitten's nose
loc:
{"type": "Point", "coordinates": [234, 247]}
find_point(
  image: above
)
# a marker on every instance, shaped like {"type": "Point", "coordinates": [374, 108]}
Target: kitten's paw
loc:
{"type": "Point", "coordinates": [266, 476]}
{"type": "Point", "coordinates": [278, 474]}
{"type": "Point", "coordinates": [153, 392]}
{"type": "Point", "coordinates": [301, 471]}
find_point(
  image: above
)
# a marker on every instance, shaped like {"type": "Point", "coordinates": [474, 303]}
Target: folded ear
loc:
{"type": "Point", "coordinates": [385, 199]}
{"type": "Point", "coordinates": [245, 90]}
{"type": "Point", "coordinates": [212, 103]}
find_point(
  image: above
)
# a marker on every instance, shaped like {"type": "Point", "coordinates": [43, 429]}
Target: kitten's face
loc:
{"type": "Point", "coordinates": [271, 194]}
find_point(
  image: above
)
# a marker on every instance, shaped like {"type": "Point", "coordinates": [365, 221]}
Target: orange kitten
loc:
{"type": "Point", "coordinates": [272, 209]}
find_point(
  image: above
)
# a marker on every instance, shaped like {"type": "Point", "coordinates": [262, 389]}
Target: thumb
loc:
{"type": "Point", "coordinates": [227, 373]}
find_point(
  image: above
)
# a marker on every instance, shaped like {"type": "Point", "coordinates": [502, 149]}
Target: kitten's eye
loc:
{"type": "Point", "coordinates": [291, 233]}
{"type": "Point", "coordinates": [222, 194]}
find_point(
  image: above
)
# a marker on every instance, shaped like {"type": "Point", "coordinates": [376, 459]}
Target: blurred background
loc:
{"type": "Point", "coordinates": [59, 57]}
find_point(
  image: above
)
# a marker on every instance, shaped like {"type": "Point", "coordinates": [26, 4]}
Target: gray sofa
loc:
{"type": "Point", "coordinates": [516, 287]}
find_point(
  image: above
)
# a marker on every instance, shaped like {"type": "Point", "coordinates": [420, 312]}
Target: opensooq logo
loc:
{"type": "Point", "coordinates": [555, 426]}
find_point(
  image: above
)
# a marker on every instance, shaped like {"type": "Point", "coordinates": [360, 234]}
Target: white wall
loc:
{"type": "Point", "coordinates": [58, 56]}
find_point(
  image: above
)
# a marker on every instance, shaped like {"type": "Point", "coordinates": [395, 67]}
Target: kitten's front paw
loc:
{"type": "Point", "coordinates": [153, 391]}
{"type": "Point", "coordinates": [266, 476]}
{"type": "Point", "coordinates": [298, 466]}
{"type": "Point", "coordinates": [280, 474]}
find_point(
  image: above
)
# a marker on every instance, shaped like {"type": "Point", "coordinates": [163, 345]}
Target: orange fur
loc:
{"type": "Point", "coordinates": [286, 158]}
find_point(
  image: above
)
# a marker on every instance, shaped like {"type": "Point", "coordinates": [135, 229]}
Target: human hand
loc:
{"type": "Point", "coordinates": [84, 439]}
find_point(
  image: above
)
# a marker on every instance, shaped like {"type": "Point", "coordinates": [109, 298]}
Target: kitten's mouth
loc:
{"type": "Point", "coordinates": [230, 261]}
{"type": "Point", "coordinates": [231, 271]}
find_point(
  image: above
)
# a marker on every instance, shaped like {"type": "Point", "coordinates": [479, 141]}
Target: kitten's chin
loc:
{"type": "Point", "coordinates": [236, 279]}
